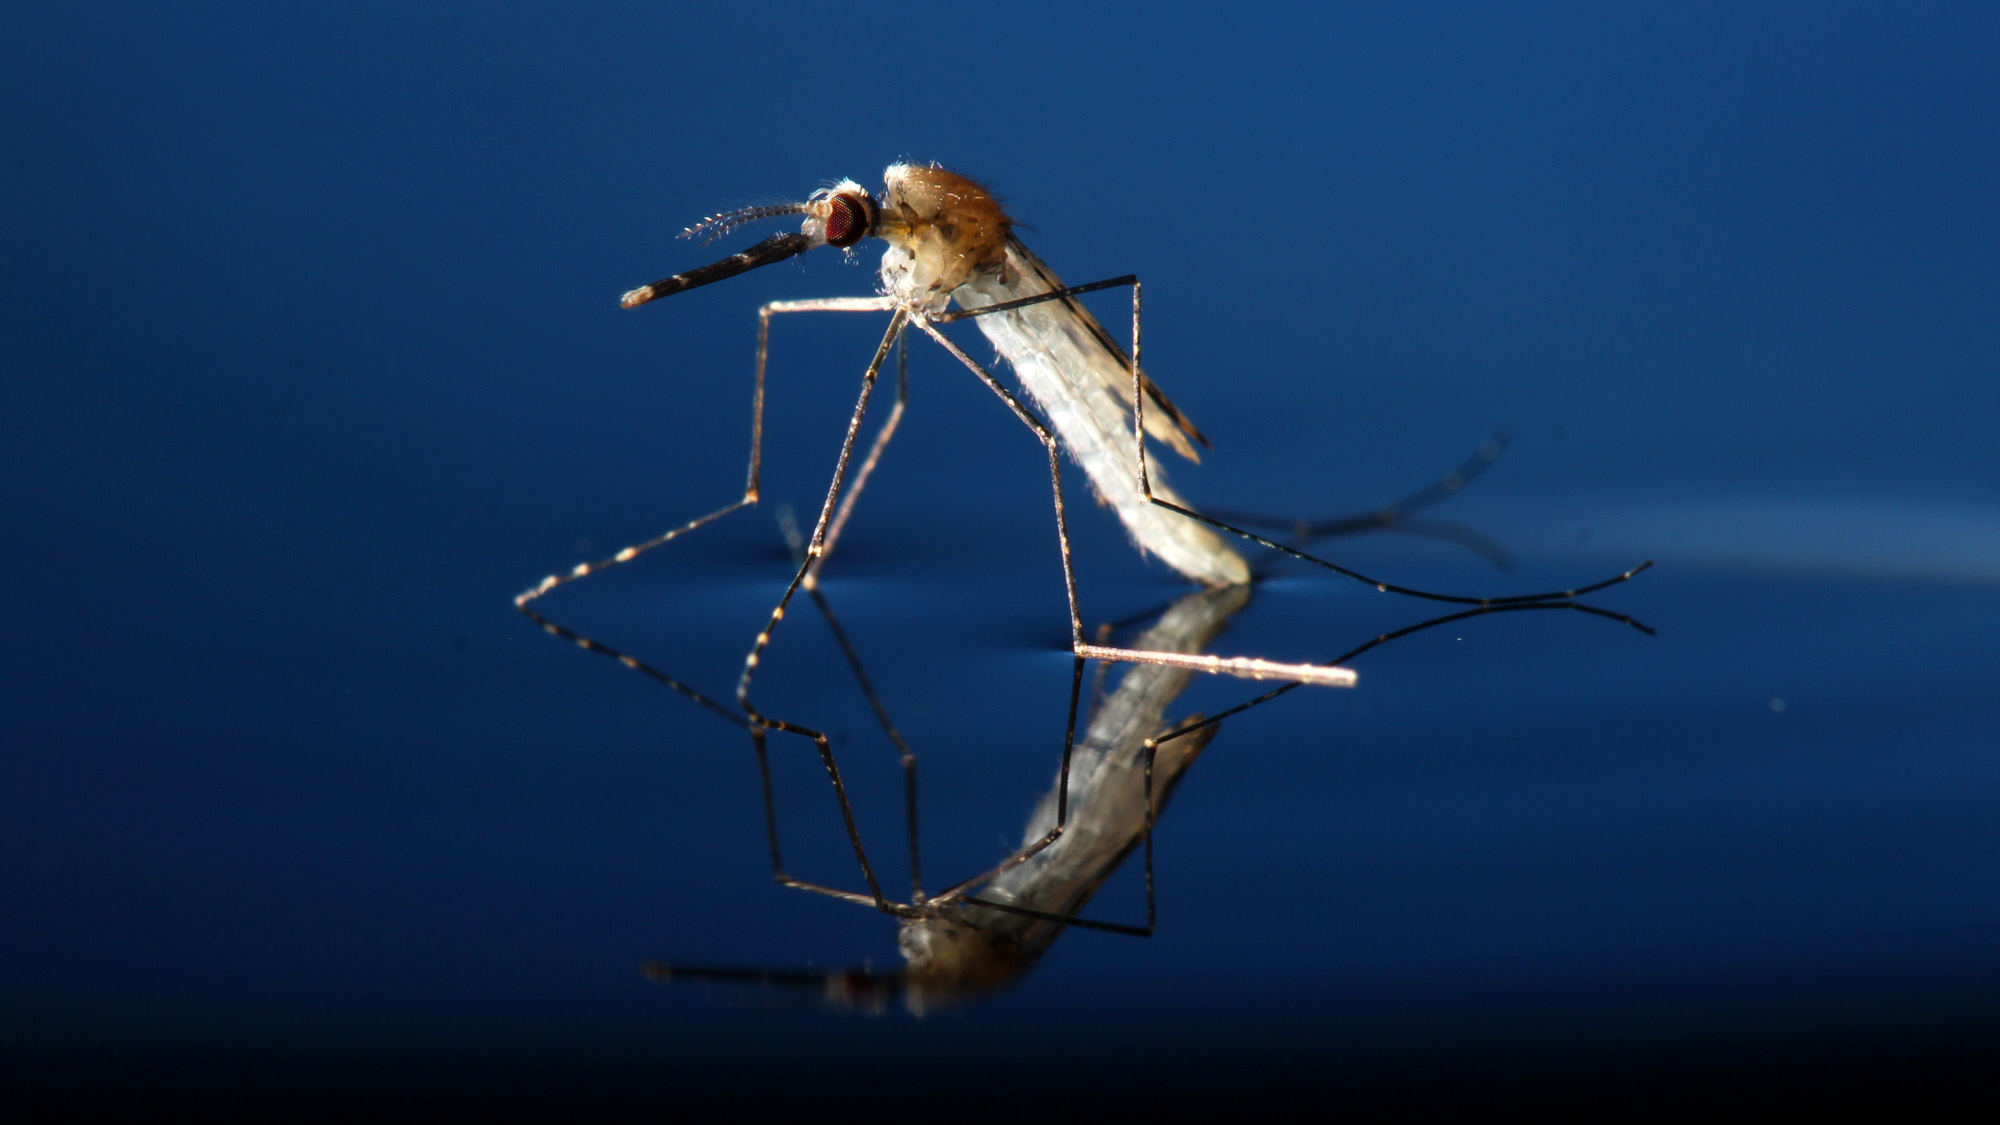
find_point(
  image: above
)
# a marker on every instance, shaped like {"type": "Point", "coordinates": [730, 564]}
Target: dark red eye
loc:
{"type": "Point", "coordinates": [846, 221]}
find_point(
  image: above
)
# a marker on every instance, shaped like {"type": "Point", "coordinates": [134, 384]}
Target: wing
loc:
{"type": "Point", "coordinates": [1164, 420]}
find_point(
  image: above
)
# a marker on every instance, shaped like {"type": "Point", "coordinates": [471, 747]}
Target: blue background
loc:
{"type": "Point", "coordinates": [312, 360]}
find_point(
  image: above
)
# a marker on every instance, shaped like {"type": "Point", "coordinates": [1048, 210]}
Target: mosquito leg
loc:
{"type": "Point", "coordinates": [818, 543]}
{"type": "Point", "coordinates": [634, 663]}
{"type": "Point", "coordinates": [907, 757]}
{"type": "Point", "coordinates": [875, 900]}
{"type": "Point", "coordinates": [757, 743]}
{"type": "Point", "coordinates": [749, 497]}
{"type": "Point", "coordinates": [757, 732]}
{"type": "Point", "coordinates": [1400, 515]}
{"type": "Point", "coordinates": [813, 552]}
{"type": "Point", "coordinates": [839, 304]}
{"type": "Point", "coordinates": [817, 546]}
{"type": "Point", "coordinates": [813, 564]}
{"type": "Point", "coordinates": [757, 723]}
{"type": "Point", "coordinates": [1407, 591]}
{"type": "Point", "coordinates": [522, 602]}
{"type": "Point", "coordinates": [868, 463]}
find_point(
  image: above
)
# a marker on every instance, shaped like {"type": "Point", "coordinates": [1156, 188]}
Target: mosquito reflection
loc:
{"type": "Point", "coordinates": [985, 934]}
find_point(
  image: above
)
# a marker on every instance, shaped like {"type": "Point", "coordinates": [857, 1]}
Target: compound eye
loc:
{"type": "Point", "coordinates": [846, 221]}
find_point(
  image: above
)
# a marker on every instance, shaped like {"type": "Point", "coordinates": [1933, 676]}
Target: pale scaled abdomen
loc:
{"type": "Point", "coordinates": [1077, 385]}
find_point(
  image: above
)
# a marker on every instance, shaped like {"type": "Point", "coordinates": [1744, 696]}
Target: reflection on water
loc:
{"type": "Point", "coordinates": [1113, 781]}
{"type": "Point", "coordinates": [983, 933]}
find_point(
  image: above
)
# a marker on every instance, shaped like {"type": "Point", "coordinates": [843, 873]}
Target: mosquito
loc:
{"type": "Point", "coordinates": [949, 240]}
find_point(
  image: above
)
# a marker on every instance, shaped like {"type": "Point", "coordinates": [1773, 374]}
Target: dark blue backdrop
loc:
{"type": "Point", "coordinates": [313, 360]}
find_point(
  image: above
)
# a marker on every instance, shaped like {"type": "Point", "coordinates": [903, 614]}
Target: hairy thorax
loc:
{"type": "Point", "coordinates": [943, 230]}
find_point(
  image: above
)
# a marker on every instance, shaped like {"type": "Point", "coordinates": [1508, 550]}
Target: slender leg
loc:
{"type": "Point", "coordinates": [750, 718]}
{"type": "Point", "coordinates": [522, 602]}
{"type": "Point", "coordinates": [813, 551]}
{"type": "Point", "coordinates": [589, 645]}
{"type": "Point", "coordinates": [812, 565]}
{"type": "Point", "coordinates": [868, 463]}
{"type": "Point", "coordinates": [906, 757]}
{"type": "Point", "coordinates": [749, 497]}
{"type": "Point", "coordinates": [1400, 515]}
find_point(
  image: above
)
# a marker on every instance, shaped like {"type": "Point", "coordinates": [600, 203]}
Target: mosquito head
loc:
{"type": "Point", "coordinates": [839, 216]}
